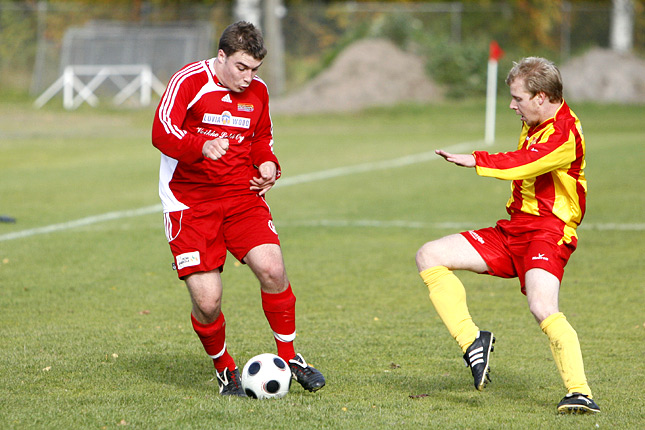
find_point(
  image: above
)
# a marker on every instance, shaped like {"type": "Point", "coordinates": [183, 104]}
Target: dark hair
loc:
{"type": "Point", "coordinates": [539, 75]}
{"type": "Point", "coordinates": [243, 36]}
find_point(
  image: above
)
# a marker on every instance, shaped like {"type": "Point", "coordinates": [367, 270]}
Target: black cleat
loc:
{"type": "Point", "coordinates": [477, 356]}
{"type": "Point", "coordinates": [230, 383]}
{"type": "Point", "coordinates": [577, 403]}
{"type": "Point", "coordinates": [310, 378]}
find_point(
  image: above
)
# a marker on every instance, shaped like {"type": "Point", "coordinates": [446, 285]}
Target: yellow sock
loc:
{"type": "Point", "coordinates": [566, 353]}
{"type": "Point", "coordinates": [448, 296]}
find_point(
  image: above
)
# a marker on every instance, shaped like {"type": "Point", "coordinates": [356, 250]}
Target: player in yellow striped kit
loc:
{"type": "Point", "coordinates": [547, 203]}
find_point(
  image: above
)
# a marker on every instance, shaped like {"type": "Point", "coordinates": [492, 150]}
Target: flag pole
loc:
{"type": "Point", "coordinates": [495, 53]}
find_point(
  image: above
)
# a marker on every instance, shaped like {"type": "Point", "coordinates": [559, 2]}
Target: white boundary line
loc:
{"type": "Point", "coordinates": [371, 167]}
{"type": "Point", "coordinates": [436, 225]}
{"type": "Point", "coordinates": [311, 177]}
{"type": "Point", "coordinates": [81, 222]}
{"type": "Point", "coordinates": [285, 182]}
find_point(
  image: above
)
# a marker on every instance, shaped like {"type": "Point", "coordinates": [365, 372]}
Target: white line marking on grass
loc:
{"type": "Point", "coordinates": [285, 182]}
{"type": "Point", "coordinates": [311, 177]}
{"type": "Point", "coordinates": [82, 222]}
{"type": "Point", "coordinates": [373, 166]}
{"type": "Point", "coordinates": [614, 226]}
{"type": "Point", "coordinates": [436, 225]}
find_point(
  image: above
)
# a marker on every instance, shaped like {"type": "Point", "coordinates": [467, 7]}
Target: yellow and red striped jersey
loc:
{"type": "Point", "coordinates": [547, 170]}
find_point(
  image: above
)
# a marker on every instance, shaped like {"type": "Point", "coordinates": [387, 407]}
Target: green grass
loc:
{"type": "Point", "coordinates": [95, 329]}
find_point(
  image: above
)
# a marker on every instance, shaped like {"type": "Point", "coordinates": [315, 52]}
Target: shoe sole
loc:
{"type": "Point", "coordinates": [310, 389]}
{"type": "Point", "coordinates": [577, 410]}
{"type": "Point", "coordinates": [314, 389]}
{"type": "Point", "coordinates": [234, 395]}
{"type": "Point", "coordinates": [486, 375]}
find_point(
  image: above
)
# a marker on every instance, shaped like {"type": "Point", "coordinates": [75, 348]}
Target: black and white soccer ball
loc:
{"type": "Point", "coordinates": [266, 376]}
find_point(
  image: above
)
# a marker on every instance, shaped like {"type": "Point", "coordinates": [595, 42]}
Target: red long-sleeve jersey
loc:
{"type": "Point", "coordinates": [195, 108]}
{"type": "Point", "coordinates": [547, 170]}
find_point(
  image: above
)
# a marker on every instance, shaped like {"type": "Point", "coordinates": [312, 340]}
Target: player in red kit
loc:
{"type": "Point", "coordinates": [214, 131]}
{"type": "Point", "coordinates": [547, 203]}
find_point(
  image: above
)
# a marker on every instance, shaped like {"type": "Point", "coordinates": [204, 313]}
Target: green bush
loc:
{"type": "Point", "coordinates": [460, 68]}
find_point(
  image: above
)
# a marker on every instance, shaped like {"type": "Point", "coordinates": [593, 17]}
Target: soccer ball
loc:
{"type": "Point", "coordinates": [266, 376]}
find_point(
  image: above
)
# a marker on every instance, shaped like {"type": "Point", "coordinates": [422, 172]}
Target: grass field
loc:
{"type": "Point", "coordinates": [95, 329]}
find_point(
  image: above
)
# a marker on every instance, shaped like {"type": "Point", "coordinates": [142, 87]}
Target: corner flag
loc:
{"type": "Point", "coordinates": [494, 54]}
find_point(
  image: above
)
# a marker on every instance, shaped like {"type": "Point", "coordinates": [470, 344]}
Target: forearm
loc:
{"type": "Point", "coordinates": [521, 164]}
{"type": "Point", "coordinates": [184, 146]}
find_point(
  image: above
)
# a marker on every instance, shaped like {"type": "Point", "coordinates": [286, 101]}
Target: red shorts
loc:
{"type": "Point", "coordinates": [200, 236]}
{"type": "Point", "coordinates": [524, 242]}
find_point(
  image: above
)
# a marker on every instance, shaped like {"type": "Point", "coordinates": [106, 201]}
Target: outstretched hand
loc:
{"type": "Point", "coordinates": [266, 179]}
{"type": "Point", "coordinates": [464, 160]}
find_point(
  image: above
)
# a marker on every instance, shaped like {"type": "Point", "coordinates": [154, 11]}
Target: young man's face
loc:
{"type": "Point", "coordinates": [236, 71]}
{"type": "Point", "coordinates": [525, 105]}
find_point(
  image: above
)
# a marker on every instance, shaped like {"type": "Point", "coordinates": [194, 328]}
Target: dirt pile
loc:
{"type": "Point", "coordinates": [604, 76]}
{"type": "Point", "coordinates": [370, 72]}
{"type": "Point", "coordinates": [375, 72]}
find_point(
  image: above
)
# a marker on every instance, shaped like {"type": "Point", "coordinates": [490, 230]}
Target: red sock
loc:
{"type": "Point", "coordinates": [280, 310]}
{"type": "Point", "coordinates": [213, 337]}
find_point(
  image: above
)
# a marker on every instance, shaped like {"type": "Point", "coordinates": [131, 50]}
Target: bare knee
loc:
{"type": "Point", "coordinates": [268, 266]}
{"type": "Point", "coordinates": [454, 252]}
{"type": "Point", "coordinates": [542, 306]}
{"type": "Point", "coordinates": [272, 276]}
{"type": "Point", "coordinates": [205, 290]}
{"type": "Point", "coordinates": [542, 289]}
{"type": "Point", "coordinates": [207, 311]}
{"type": "Point", "coordinates": [542, 311]}
{"type": "Point", "coordinates": [428, 256]}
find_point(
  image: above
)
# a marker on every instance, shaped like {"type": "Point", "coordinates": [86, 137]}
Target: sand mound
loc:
{"type": "Point", "coordinates": [370, 72]}
{"type": "Point", "coordinates": [604, 76]}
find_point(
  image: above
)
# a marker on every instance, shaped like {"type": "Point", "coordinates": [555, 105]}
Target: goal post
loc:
{"type": "Point", "coordinates": [124, 60]}
{"type": "Point", "coordinates": [130, 79]}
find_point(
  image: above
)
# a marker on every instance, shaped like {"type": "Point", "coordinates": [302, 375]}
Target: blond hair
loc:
{"type": "Point", "coordinates": [539, 75]}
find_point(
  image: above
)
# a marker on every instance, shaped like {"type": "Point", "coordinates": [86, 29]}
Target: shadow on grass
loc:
{"type": "Point", "coordinates": [454, 387]}
{"type": "Point", "coordinates": [178, 369]}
